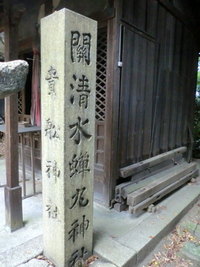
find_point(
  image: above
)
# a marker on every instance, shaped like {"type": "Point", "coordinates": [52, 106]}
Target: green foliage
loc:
{"type": "Point", "coordinates": [198, 81]}
{"type": "Point", "coordinates": [196, 130]}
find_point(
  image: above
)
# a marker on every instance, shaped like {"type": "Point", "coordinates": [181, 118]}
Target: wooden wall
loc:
{"type": "Point", "coordinates": [158, 77]}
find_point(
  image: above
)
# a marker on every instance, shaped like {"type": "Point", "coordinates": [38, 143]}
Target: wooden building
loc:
{"type": "Point", "coordinates": [147, 56]}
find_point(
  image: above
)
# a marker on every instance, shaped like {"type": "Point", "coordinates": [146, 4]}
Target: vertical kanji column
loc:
{"type": "Point", "coordinates": [68, 53]}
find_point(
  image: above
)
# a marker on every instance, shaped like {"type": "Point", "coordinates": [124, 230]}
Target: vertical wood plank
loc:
{"type": "Point", "coordinates": [148, 107]}
{"type": "Point", "coordinates": [175, 83]}
{"type": "Point", "coordinates": [186, 88]}
{"type": "Point", "coordinates": [151, 19]}
{"type": "Point", "coordinates": [141, 98]}
{"type": "Point", "coordinates": [157, 114]}
{"type": "Point", "coordinates": [183, 73]}
{"type": "Point", "coordinates": [124, 98]}
{"type": "Point", "coordinates": [129, 85]}
{"type": "Point", "coordinates": [13, 190]}
{"type": "Point", "coordinates": [139, 13]}
{"type": "Point", "coordinates": [127, 10]}
{"type": "Point", "coordinates": [167, 82]}
{"type": "Point", "coordinates": [159, 74]}
{"type": "Point", "coordinates": [164, 145]}
{"type": "Point", "coordinates": [112, 108]}
{"type": "Point", "coordinates": [190, 86]}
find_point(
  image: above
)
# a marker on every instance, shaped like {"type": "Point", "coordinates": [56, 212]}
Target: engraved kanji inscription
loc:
{"type": "Point", "coordinates": [52, 169]}
{"type": "Point", "coordinates": [80, 47]}
{"type": "Point", "coordinates": [78, 198]}
{"type": "Point", "coordinates": [52, 77]}
{"type": "Point", "coordinates": [51, 130]}
{"type": "Point", "coordinates": [79, 164]}
{"type": "Point", "coordinates": [82, 87]}
{"type": "Point", "coordinates": [78, 228]}
{"type": "Point", "coordinates": [84, 226]}
{"type": "Point", "coordinates": [77, 255]}
{"type": "Point", "coordinates": [52, 211]}
{"type": "Point", "coordinates": [79, 131]}
{"type": "Point", "coordinates": [73, 233]}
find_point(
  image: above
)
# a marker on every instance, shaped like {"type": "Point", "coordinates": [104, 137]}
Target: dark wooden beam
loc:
{"type": "Point", "coordinates": [13, 198]}
{"type": "Point", "coordinates": [48, 7]}
{"type": "Point", "coordinates": [112, 108]}
{"type": "Point", "coordinates": [103, 15]}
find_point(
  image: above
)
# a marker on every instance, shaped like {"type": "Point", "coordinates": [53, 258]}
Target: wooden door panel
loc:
{"type": "Point", "coordinates": [137, 86]}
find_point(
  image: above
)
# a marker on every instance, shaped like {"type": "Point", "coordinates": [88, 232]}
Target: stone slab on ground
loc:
{"type": "Point", "coordinates": [2, 171]}
{"type": "Point", "coordinates": [35, 263]}
{"type": "Point", "coordinates": [189, 254]}
{"type": "Point", "coordinates": [191, 251]}
{"type": "Point", "coordinates": [32, 219]}
{"type": "Point", "coordinates": [192, 227]}
{"type": "Point", "coordinates": [151, 231]}
{"type": "Point", "coordinates": [22, 253]}
{"type": "Point", "coordinates": [132, 244]}
{"type": "Point", "coordinates": [117, 253]}
{"type": "Point", "coordinates": [100, 263]}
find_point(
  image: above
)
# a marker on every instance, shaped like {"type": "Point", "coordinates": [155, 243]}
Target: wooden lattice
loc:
{"type": "Point", "coordinates": [101, 75]}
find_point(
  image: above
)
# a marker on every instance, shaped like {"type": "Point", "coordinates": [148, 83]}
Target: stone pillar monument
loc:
{"type": "Point", "coordinates": [68, 50]}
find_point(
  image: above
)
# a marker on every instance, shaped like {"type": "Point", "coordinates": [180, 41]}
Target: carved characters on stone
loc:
{"type": "Point", "coordinates": [78, 228]}
{"type": "Point", "coordinates": [52, 77]}
{"type": "Point", "coordinates": [51, 130]}
{"type": "Point", "coordinates": [79, 131]}
{"type": "Point", "coordinates": [80, 47]}
{"type": "Point", "coordinates": [82, 87]}
{"type": "Point", "coordinates": [77, 255]}
{"type": "Point", "coordinates": [52, 211]}
{"type": "Point", "coordinates": [79, 164]}
{"type": "Point", "coordinates": [52, 169]}
{"type": "Point", "coordinates": [78, 198]}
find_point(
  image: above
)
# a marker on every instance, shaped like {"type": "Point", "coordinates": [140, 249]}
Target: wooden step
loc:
{"type": "Point", "coordinates": [146, 164]}
{"type": "Point", "coordinates": [165, 180]}
{"type": "Point", "coordinates": [160, 194]}
{"type": "Point", "coordinates": [126, 188]}
{"type": "Point", "coordinates": [164, 165]}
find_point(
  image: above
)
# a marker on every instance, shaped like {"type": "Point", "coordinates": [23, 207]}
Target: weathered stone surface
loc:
{"type": "Point", "coordinates": [12, 77]}
{"type": "Point", "coordinates": [193, 228]}
{"type": "Point", "coordinates": [192, 251]}
{"type": "Point", "coordinates": [68, 126]}
{"type": "Point", "coordinates": [35, 263]}
{"type": "Point", "coordinates": [22, 253]}
{"type": "Point", "coordinates": [100, 263]}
